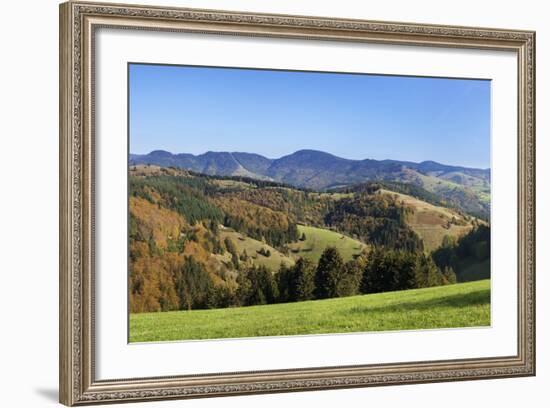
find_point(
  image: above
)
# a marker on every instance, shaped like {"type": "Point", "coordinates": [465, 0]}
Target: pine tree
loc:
{"type": "Point", "coordinates": [351, 279]}
{"type": "Point", "coordinates": [427, 273]}
{"type": "Point", "coordinates": [328, 274]}
{"type": "Point", "coordinates": [378, 275]}
{"type": "Point", "coordinates": [193, 285]}
{"type": "Point", "coordinates": [405, 273]}
{"type": "Point", "coordinates": [244, 289]}
{"type": "Point", "coordinates": [389, 270]}
{"type": "Point", "coordinates": [257, 286]}
{"type": "Point", "coordinates": [284, 276]}
{"type": "Point", "coordinates": [302, 281]}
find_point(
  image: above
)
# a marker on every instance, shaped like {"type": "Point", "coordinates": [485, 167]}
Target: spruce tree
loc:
{"type": "Point", "coordinates": [379, 273]}
{"type": "Point", "coordinates": [257, 286]}
{"type": "Point", "coordinates": [302, 281]}
{"type": "Point", "coordinates": [284, 277]}
{"type": "Point", "coordinates": [328, 274]}
{"type": "Point", "coordinates": [193, 285]}
{"type": "Point", "coordinates": [427, 273]}
{"type": "Point", "coordinates": [389, 269]}
{"type": "Point", "coordinates": [351, 279]}
{"type": "Point", "coordinates": [405, 273]}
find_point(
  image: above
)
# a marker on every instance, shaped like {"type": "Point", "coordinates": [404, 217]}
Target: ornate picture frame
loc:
{"type": "Point", "coordinates": [78, 24]}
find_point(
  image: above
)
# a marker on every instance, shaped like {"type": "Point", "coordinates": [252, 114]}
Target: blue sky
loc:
{"type": "Point", "coordinates": [195, 109]}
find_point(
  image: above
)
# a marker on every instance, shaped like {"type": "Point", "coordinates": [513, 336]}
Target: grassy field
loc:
{"type": "Point", "coordinates": [252, 246]}
{"type": "Point", "coordinates": [460, 305]}
{"type": "Point", "coordinates": [317, 239]}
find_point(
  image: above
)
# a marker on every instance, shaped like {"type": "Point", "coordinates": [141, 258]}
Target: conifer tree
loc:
{"type": "Point", "coordinates": [328, 274]}
{"type": "Point", "coordinates": [427, 273]}
{"type": "Point", "coordinates": [302, 281]}
{"type": "Point", "coordinates": [193, 285]}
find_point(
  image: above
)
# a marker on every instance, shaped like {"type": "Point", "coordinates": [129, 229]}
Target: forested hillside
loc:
{"type": "Point", "coordinates": [201, 241]}
{"type": "Point", "coordinates": [467, 189]}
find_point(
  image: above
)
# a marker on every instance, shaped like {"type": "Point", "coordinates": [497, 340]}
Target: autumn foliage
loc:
{"type": "Point", "coordinates": [179, 261]}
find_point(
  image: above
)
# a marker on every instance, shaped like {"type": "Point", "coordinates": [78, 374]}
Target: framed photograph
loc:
{"type": "Point", "coordinates": [256, 203]}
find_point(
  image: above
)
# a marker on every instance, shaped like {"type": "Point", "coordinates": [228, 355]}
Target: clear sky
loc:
{"type": "Point", "coordinates": [274, 113]}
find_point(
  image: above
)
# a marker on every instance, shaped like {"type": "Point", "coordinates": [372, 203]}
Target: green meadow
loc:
{"type": "Point", "coordinates": [318, 239]}
{"type": "Point", "coordinates": [451, 306]}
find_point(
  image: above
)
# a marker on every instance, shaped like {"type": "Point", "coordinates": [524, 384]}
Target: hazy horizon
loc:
{"type": "Point", "coordinates": [183, 109]}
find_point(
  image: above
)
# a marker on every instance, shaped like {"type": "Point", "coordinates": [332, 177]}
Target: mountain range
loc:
{"type": "Point", "coordinates": [463, 187]}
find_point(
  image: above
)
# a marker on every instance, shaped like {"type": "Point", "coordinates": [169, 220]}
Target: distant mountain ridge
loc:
{"type": "Point", "coordinates": [467, 188]}
{"type": "Point", "coordinates": [311, 161]}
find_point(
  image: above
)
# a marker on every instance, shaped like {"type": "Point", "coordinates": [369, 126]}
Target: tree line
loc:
{"type": "Point", "coordinates": [382, 270]}
{"type": "Point", "coordinates": [473, 248]}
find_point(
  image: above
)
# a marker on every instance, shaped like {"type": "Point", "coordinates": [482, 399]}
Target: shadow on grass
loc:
{"type": "Point", "coordinates": [477, 298]}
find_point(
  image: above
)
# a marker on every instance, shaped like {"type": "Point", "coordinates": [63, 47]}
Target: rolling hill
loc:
{"type": "Point", "coordinates": [427, 214]}
{"type": "Point", "coordinates": [462, 187]}
{"type": "Point", "coordinates": [317, 239]}
{"type": "Point", "coordinates": [253, 250]}
{"type": "Point", "coordinates": [217, 229]}
{"type": "Point", "coordinates": [432, 223]}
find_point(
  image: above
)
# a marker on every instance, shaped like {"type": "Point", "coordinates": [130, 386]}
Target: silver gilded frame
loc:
{"type": "Point", "coordinates": [78, 22]}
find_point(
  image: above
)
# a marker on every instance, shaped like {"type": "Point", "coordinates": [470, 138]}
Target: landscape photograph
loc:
{"type": "Point", "coordinates": [277, 203]}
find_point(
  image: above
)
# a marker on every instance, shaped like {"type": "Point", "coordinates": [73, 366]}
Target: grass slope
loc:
{"type": "Point", "coordinates": [252, 246]}
{"type": "Point", "coordinates": [460, 305]}
{"type": "Point", "coordinates": [432, 222]}
{"type": "Point", "coordinates": [473, 198]}
{"type": "Point", "coordinates": [317, 239]}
